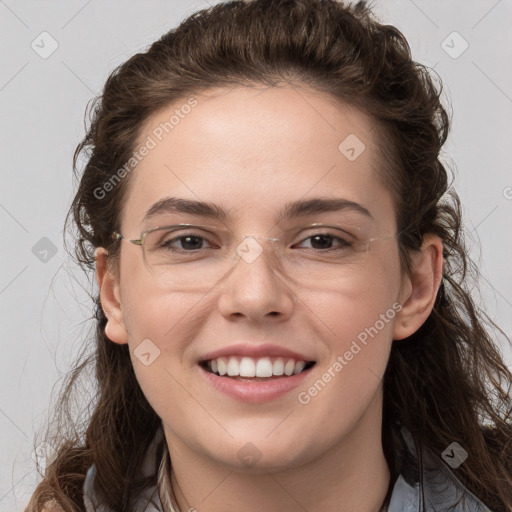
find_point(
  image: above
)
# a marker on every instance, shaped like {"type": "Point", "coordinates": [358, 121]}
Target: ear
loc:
{"type": "Point", "coordinates": [420, 289]}
{"type": "Point", "coordinates": [108, 285]}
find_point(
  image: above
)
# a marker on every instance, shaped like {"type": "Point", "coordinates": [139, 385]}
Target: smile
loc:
{"type": "Point", "coordinates": [256, 368]}
{"type": "Point", "coordinates": [255, 379]}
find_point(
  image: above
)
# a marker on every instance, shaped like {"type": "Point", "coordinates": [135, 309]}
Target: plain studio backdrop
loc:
{"type": "Point", "coordinates": [55, 57]}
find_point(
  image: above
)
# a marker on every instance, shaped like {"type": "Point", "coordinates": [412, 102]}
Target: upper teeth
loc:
{"type": "Point", "coordinates": [248, 367]}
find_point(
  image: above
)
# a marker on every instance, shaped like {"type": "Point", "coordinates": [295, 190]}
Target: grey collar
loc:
{"type": "Point", "coordinates": [427, 484]}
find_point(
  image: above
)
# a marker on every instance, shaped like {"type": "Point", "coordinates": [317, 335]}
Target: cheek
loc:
{"type": "Point", "coordinates": [364, 301]}
{"type": "Point", "coordinates": [169, 320]}
{"type": "Point", "coordinates": [357, 326]}
{"type": "Point", "coordinates": [358, 334]}
{"type": "Point", "coordinates": [350, 377]}
{"type": "Point", "coordinates": [161, 326]}
{"type": "Point", "coordinates": [150, 310]}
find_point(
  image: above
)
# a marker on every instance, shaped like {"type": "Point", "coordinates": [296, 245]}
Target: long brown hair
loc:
{"type": "Point", "coordinates": [445, 383]}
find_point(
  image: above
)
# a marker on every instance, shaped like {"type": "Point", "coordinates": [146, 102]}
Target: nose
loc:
{"type": "Point", "coordinates": [255, 289]}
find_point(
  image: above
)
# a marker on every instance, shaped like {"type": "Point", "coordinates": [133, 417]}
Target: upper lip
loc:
{"type": "Point", "coordinates": [255, 351]}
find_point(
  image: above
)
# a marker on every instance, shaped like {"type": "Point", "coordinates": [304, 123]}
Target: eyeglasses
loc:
{"type": "Point", "coordinates": [192, 257]}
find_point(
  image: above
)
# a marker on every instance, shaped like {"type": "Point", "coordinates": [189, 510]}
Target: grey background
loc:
{"type": "Point", "coordinates": [44, 308]}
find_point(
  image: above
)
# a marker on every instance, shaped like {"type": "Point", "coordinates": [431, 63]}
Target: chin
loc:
{"type": "Point", "coordinates": [261, 454]}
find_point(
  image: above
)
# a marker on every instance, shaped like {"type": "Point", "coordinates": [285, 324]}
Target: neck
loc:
{"type": "Point", "coordinates": [352, 476]}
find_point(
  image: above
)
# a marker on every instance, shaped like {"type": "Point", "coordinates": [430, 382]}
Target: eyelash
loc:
{"type": "Point", "coordinates": [342, 242]}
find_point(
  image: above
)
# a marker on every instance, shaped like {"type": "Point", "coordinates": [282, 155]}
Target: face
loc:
{"type": "Point", "coordinates": [251, 152]}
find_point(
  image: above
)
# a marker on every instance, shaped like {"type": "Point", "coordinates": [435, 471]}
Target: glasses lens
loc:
{"type": "Point", "coordinates": [192, 259]}
{"type": "Point", "coordinates": [185, 258]}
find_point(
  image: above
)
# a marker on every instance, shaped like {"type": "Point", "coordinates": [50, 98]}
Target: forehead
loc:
{"type": "Point", "coordinates": [253, 149]}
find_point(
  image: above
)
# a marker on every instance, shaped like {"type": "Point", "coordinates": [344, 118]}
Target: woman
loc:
{"type": "Point", "coordinates": [283, 321]}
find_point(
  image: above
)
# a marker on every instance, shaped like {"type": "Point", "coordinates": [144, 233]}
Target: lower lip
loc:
{"type": "Point", "coordinates": [254, 391]}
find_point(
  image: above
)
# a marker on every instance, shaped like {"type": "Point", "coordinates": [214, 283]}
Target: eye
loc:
{"type": "Point", "coordinates": [188, 242]}
{"type": "Point", "coordinates": [324, 242]}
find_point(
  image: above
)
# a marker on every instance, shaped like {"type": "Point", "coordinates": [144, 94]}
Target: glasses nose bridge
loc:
{"type": "Point", "coordinates": [256, 237]}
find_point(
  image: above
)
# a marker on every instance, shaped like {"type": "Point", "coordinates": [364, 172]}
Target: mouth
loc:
{"type": "Point", "coordinates": [255, 373]}
{"type": "Point", "coordinates": [262, 369]}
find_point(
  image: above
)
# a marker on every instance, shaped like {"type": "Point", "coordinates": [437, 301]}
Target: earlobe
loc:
{"type": "Point", "coordinates": [423, 285]}
{"type": "Point", "coordinates": [108, 285]}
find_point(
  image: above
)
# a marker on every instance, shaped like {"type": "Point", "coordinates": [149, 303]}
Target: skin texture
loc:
{"type": "Point", "coordinates": [250, 150]}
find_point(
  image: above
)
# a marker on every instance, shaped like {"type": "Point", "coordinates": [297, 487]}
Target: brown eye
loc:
{"type": "Point", "coordinates": [325, 241]}
{"type": "Point", "coordinates": [177, 241]}
{"type": "Point", "coordinates": [187, 242]}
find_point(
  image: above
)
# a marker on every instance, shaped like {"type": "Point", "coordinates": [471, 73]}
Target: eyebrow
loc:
{"type": "Point", "coordinates": [289, 211]}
